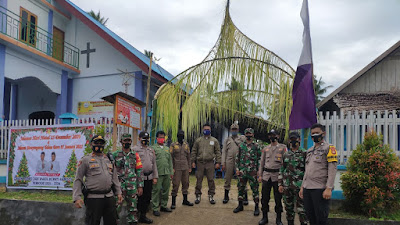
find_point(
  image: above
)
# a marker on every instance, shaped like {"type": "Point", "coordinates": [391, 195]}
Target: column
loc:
{"type": "Point", "coordinates": [50, 30]}
{"type": "Point", "coordinates": [139, 91]}
{"type": "Point", "coordinates": [2, 77]}
{"type": "Point", "coordinates": [62, 99]}
{"type": "Point", "coordinates": [70, 95]}
{"type": "Point", "coordinates": [14, 102]}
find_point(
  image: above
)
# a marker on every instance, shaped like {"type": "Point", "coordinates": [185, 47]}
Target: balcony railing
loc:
{"type": "Point", "coordinates": [30, 34]}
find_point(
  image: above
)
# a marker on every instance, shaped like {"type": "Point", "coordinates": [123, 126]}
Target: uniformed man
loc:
{"type": "Point", "coordinates": [317, 186]}
{"type": "Point", "coordinates": [229, 151]}
{"type": "Point", "coordinates": [149, 174]}
{"type": "Point", "coordinates": [247, 163]}
{"type": "Point", "coordinates": [165, 173]}
{"type": "Point", "coordinates": [129, 168]}
{"type": "Point", "coordinates": [101, 180]}
{"type": "Point", "coordinates": [180, 152]}
{"type": "Point", "coordinates": [290, 179]}
{"type": "Point", "coordinates": [271, 162]}
{"type": "Point", "coordinates": [205, 150]}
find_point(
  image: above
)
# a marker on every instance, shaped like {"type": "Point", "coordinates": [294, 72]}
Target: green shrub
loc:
{"type": "Point", "coordinates": [100, 130]}
{"type": "Point", "coordinates": [371, 184]}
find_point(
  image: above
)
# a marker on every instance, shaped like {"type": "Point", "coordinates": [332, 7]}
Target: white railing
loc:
{"type": "Point", "coordinates": [347, 130]}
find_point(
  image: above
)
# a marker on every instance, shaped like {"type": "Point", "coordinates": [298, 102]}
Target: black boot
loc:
{"type": "Point", "coordinates": [144, 219]}
{"type": "Point", "coordinates": [198, 199]}
{"type": "Point", "coordinates": [290, 222]}
{"type": "Point", "coordinates": [226, 198]}
{"type": "Point", "coordinates": [278, 219]}
{"type": "Point", "coordinates": [239, 208]}
{"type": "Point", "coordinates": [245, 200]}
{"type": "Point", "coordinates": [264, 220]}
{"type": "Point", "coordinates": [256, 210]}
{"type": "Point", "coordinates": [186, 202]}
{"type": "Point", "coordinates": [173, 205]}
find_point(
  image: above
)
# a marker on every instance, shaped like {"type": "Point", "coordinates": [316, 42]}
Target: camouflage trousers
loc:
{"type": "Point", "coordinates": [292, 200]}
{"type": "Point", "coordinates": [251, 177]}
{"type": "Point", "coordinates": [130, 198]}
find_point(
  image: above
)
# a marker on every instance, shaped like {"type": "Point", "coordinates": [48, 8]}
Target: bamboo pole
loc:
{"type": "Point", "coordinates": [148, 92]}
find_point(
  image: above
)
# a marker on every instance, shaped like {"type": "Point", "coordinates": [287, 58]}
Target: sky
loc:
{"type": "Point", "coordinates": [346, 34]}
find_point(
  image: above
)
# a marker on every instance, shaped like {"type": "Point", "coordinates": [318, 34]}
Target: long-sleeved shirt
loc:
{"type": "Point", "coordinates": [247, 158]}
{"type": "Point", "coordinates": [206, 149]}
{"type": "Point", "coordinates": [129, 169]}
{"type": "Point", "coordinates": [231, 148]}
{"type": "Point", "coordinates": [271, 159]}
{"type": "Point", "coordinates": [292, 171]}
{"type": "Point", "coordinates": [163, 160]}
{"type": "Point", "coordinates": [148, 157]}
{"type": "Point", "coordinates": [180, 155]}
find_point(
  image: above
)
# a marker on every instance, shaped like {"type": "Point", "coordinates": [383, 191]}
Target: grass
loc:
{"type": "Point", "coordinates": [343, 214]}
{"type": "Point", "coordinates": [44, 195]}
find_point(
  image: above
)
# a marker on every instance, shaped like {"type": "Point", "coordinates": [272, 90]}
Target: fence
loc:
{"type": "Point", "coordinates": [347, 130]}
{"type": "Point", "coordinates": [5, 128]}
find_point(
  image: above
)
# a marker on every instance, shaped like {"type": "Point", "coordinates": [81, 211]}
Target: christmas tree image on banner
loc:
{"type": "Point", "coordinates": [71, 170]}
{"type": "Point", "coordinates": [22, 178]}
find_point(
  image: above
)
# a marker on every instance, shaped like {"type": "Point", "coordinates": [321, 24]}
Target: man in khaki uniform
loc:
{"type": "Point", "coordinates": [180, 152]}
{"type": "Point", "coordinates": [205, 150]}
{"type": "Point", "coordinates": [271, 162]}
{"type": "Point", "coordinates": [229, 151]}
{"type": "Point", "coordinates": [101, 180]}
{"type": "Point", "coordinates": [317, 186]}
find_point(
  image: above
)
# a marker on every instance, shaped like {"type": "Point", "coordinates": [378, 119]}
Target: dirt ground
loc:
{"type": "Point", "coordinates": [205, 213]}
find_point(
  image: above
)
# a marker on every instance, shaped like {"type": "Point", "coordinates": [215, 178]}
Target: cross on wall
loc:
{"type": "Point", "coordinates": [87, 52]}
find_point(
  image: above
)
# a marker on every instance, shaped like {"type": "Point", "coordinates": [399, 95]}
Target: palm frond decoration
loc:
{"type": "Point", "coordinates": [238, 78]}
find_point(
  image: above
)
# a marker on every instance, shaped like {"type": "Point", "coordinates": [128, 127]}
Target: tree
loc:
{"type": "Point", "coordinates": [22, 177]}
{"type": "Point", "coordinates": [98, 17]}
{"type": "Point", "coordinates": [71, 170]}
{"type": "Point", "coordinates": [320, 89]}
{"type": "Point", "coordinates": [148, 53]}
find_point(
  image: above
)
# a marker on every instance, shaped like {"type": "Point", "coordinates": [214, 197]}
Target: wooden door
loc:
{"type": "Point", "coordinates": [58, 44]}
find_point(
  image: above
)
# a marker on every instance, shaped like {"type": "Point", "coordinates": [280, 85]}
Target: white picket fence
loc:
{"type": "Point", "coordinates": [347, 130]}
{"type": "Point", "coordinates": [5, 128]}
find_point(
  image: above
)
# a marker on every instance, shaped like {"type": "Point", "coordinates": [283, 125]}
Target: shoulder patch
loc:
{"type": "Point", "coordinates": [332, 154]}
{"type": "Point", "coordinates": [138, 162]}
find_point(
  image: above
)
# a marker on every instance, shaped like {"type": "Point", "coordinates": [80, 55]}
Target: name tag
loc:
{"type": "Point", "coordinates": [211, 142]}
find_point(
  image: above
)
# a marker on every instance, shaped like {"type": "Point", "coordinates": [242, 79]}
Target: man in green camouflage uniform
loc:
{"type": "Point", "coordinates": [247, 163]}
{"type": "Point", "coordinates": [129, 169]}
{"type": "Point", "coordinates": [290, 179]}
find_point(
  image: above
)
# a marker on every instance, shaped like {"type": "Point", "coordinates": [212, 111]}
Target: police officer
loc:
{"type": "Point", "coordinates": [102, 184]}
{"type": "Point", "coordinates": [180, 152]}
{"type": "Point", "coordinates": [129, 168]}
{"type": "Point", "coordinates": [290, 179]}
{"type": "Point", "coordinates": [205, 150]}
{"type": "Point", "coordinates": [271, 162]}
{"type": "Point", "coordinates": [247, 163]}
{"type": "Point", "coordinates": [229, 151]}
{"type": "Point", "coordinates": [165, 173]}
{"type": "Point", "coordinates": [149, 174]}
{"type": "Point", "coordinates": [321, 167]}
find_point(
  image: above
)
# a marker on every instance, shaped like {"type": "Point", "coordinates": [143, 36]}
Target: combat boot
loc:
{"type": "Point", "coordinates": [290, 222]}
{"type": "Point", "coordinates": [278, 219]}
{"type": "Point", "coordinates": [198, 199]}
{"type": "Point", "coordinates": [239, 208]}
{"type": "Point", "coordinates": [226, 198]}
{"type": "Point", "coordinates": [245, 200]}
{"type": "Point", "coordinates": [264, 220]}
{"type": "Point", "coordinates": [186, 202]}
{"type": "Point", "coordinates": [256, 210]}
{"type": "Point", "coordinates": [173, 205]}
{"type": "Point", "coordinates": [211, 199]}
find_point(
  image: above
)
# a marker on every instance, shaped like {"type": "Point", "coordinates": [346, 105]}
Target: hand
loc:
{"type": "Point", "coordinates": [174, 171]}
{"type": "Point", "coordinates": [79, 203]}
{"type": "Point", "coordinates": [237, 173]}
{"type": "Point", "coordinates": [120, 199]}
{"type": "Point", "coordinates": [259, 179]}
{"type": "Point", "coordinates": [301, 193]}
{"type": "Point", "coordinates": [223, 168]}
{"type": "Point", "coordinates": [327, 194]}
{"type": "Point", "coordinates": [190, 170]}
{"type": "Point", "coordinates": [217, 166]}
{"type": "Point", "coordinates": [280, 189]}
{"type": "Point", "coordinates": [172, 177]}
{"type": "Point", "coordinates": [193, 165]}
{"type": "Point", "coordinates": [140, 191]}
{"type": "Point", "coordinates": [154, 180]}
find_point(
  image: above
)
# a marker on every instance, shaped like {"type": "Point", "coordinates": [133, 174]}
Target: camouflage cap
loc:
{"type": "Point", "coordinates": [249, 130]}
{"type": "Point", "coordinates": [126, 136]}
{"type": "Point", "coordinates": [235, 126]}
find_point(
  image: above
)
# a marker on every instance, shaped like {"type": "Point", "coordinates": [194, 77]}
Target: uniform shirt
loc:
{"type": "Point", "coordinates": [163, 160]}
{"type": "Point", "coordinates": [292, 171]}
{"type": "Point", "coordinates": [247, 159]}
{"type": "Point", "coordinates": [129, 169]}
{"type": "Point", "coordinates": [231, 148]}
{"type": "Point", "coordinates": [321, 167]}
{"type": "Point", "coordinates": [148, 158]}
{"type": "Point", "coordinates": [206, 149]}
{"type": "Point", "coordinates": [180, 155]}
{"type": "Point", "coordinates": [100, 175]}
{"type": "Point", "coordinates": [271, 158]}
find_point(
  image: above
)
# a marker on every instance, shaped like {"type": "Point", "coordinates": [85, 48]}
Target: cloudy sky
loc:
{"type": "Point", "coordinates": [346, 34]}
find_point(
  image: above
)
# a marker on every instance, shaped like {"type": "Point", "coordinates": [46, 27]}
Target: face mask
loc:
{"type": "Point", "coordinates": [145, 141]}
{"type": "Point", "coordinates": [317, 138]}
{"type": "Point", "coordinates": [127, 145]}
{"type": "Point", "coordinates": [206, 132]}
{"type": "Point", "coordinates": [180, 139]}
{"type": "Point", "coordinates": [294, 143]}
{"type": "Point", "coordinates": [160, 141]}
{"type": "Point", "coordinates": [272, 139]}
{"type": "Point", "coordinates": [98, 149]}
{"type": "Point", "coordinates": [249, 137]}
{"type": "Point", "coordinates": [234, 133]}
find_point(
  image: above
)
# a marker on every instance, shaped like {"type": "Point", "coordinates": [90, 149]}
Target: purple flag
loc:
{"type": "Point", "coordinates": [303, 113]}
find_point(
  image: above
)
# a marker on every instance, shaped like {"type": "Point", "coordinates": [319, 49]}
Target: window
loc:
{"type": "Point", "coordinates": [28, 26]}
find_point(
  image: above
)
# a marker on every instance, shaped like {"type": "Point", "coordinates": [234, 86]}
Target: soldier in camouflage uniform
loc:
{"type": "Point", "coordinates": [129, 168]}
{"type": "Point", "coordinates": [247, 163]}
{"type": "Point", "coordinates": [290, 179]}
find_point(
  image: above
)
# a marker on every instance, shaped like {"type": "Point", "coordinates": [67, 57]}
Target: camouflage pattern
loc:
{"type": "Point", "coordinates": [129, 169]}
{"type": "Point", "coordinates": [247, 162]}
{"type": "Point", "coordinates": [291, 177]}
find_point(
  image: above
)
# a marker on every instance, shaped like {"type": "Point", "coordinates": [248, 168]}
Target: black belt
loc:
{"type": "Point", "coordinates": [99, 192]}
{"type": "Point", "coordinates": [271, 170]}
{"type": "Point", "coordinates": [148, 173]}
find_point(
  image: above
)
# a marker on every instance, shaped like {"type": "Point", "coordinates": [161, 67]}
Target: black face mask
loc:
{"type": "Point", "coordinates": [317, 138]}
{"type": "Point", "coordinates": [294, 143]}
{"type": "Point", "coordinates": [180, 139]}
{"type": "Point", "coordinates": [126, 145]}
{"type": "Point", "coordinates": [98, 149]}
{"type": "Point", "coordinates": [272, 139]}
{"type": "Point", "coordinates": [249, 138]}
{"type": "Point", "coordinates": [145, 141]}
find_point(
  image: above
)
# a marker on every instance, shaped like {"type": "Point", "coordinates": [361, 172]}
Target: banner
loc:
{"type": "Point", "coordinates": [95, 109]}
{"type": "Point", "coordinates": [127, 113]}
{"type": "Point", "coordinates": [46, 157]}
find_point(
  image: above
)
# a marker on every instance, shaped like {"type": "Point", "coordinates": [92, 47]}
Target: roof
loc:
{"type": "Point", "coordinates": [364, 102]}
{"type": "Point", "coordinates": [137, 57]}
{"type": "Point", "coordinates": [112, 98]}
{"type": "Point", "coordinates": [359, 74]}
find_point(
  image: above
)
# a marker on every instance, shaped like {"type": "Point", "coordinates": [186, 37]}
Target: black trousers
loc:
{"type": "Point", "coordinates": [101, 207]}
{"type": "Point", "coordinates": [144, 200]}
{"type": "Point", "coordinates": [266, 196]}
{"type": "Point", "coordinates": [317, 208]}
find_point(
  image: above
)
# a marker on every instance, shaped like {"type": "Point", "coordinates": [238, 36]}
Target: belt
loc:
{"type": "Point", "coordinates": [148, 173]}
{"type": "Point", "coordinates": [271, 170]}
{"type": "Point", "coordinates": [99, 192]}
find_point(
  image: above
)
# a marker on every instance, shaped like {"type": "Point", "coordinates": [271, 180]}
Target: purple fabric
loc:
{"type": "Point", "coordinates": [303, 113]}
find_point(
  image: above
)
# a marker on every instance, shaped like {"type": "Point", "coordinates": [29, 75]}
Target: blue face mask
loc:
{"type": "Point", "coordinates": [206, 132]}
{"type": "Point", "coordinates": [234, 133]}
